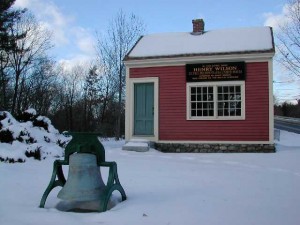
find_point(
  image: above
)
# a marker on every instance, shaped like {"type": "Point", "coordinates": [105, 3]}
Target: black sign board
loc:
{"type": "Point", "coordinates": [215, 72]}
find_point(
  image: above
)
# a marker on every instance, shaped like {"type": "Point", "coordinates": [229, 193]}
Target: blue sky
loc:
{"type": "Point", "coordinates": [173, 15]}
{"type": "Point", "coordinates": [74, 22]}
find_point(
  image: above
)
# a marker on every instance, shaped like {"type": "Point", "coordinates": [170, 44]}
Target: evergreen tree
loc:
{"type": "Point", "coordinates": [8, 17]}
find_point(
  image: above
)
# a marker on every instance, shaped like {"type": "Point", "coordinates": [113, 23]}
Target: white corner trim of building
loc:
{"type": "Point", "coordinates": [271, 102]}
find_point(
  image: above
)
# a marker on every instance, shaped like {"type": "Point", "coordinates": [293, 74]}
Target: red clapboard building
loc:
{"type": "Point", "coordinates": [202, 91]}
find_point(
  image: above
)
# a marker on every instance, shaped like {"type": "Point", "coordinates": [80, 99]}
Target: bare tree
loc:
{"type": "Point", "coordinates": [108, 85]}
{"type": "Point", "coordinates": [72, 81]}
{"type": "Point", "coordinates": [92, 98]}
{"type": "Point", "coordinates": [41, 87]}
{"type": "Point", "coordinates": [288, 38]}
{"type": "Point", "coordinates": [124, 30]}
{"type": "Point", "coordinates": [8, 17]}
{"type": "Point", "coordinates": [4, 80]}
{"type": "Point", "coordinates": [32, 47]}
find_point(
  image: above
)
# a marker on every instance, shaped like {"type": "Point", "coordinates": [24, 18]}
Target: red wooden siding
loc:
{"type": "Point", "coordinates": [172, 107]}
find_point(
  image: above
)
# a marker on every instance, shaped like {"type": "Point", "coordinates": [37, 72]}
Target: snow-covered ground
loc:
{"type": "Point", "coordinates": [169, 189]}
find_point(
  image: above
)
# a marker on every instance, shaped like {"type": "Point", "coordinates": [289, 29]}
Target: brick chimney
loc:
{"type": "Point", "coordinates": [198, 26]}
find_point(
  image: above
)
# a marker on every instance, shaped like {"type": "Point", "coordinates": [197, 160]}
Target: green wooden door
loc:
{"type": "Point", "coordinates": [143, 108]}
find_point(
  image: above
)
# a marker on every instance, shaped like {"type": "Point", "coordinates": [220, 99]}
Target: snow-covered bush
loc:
{"type": "Point", "coordinates": [30, 135]}
{"type": "Point", "coordinates": [27, 115]}
{"type": "Point", "coordinates": [6, 136]}
{"type": "Point", "coordinates": [37, 121]}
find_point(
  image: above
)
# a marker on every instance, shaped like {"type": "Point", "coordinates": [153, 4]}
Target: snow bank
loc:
{"type": "Point", "coordinates": [31, 136]}
{"type": "Point", "coordinates": [288, 139]}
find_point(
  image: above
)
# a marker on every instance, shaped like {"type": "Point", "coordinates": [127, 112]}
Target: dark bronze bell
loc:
{"type": "Point", "coordinates": [84, 181]}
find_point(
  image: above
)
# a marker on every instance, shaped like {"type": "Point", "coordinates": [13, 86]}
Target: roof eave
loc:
{"type": "Point", "coordinates": [272, 50]}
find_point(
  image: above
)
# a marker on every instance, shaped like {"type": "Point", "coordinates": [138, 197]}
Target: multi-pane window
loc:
{"type": "Point", "coordinates": [202, 101]}
{"type": "Point", "coordinates": [218, 101]}
{"type": "Point", "coordinates": [229, 100]}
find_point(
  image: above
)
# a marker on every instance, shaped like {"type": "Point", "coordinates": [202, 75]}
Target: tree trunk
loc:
{"type": "Point", "coordinates": [118, 128]}
{"type": "Point", "coordinates": [70, 118]}
{"type": "Point", "coordinates": [13, 107]}
{"type": "Point", "coordinates": [85, 114]}
{"type": "Point", "coordinates": [3, 104]}
{"type": "Point", "coordinates": [20, 97]}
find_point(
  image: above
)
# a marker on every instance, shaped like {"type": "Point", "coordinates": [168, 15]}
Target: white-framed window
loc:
{"type": "Point", "coordinates": [216, 100]}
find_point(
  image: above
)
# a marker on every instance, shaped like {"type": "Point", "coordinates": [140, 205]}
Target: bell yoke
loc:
{"type": "Point", "coordinates": [85, 155]}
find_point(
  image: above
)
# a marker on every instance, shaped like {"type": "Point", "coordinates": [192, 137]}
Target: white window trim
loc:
{"type": "Point", "coordinates": [214, 84]}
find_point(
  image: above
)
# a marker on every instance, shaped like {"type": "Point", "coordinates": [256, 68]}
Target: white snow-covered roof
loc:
{"type": "Point", "coordinates": [223, 41]}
